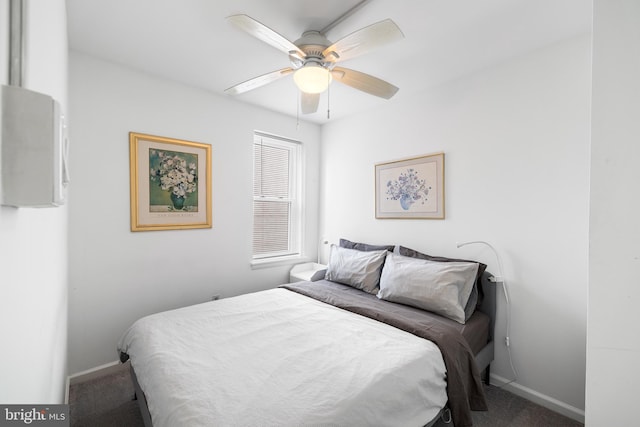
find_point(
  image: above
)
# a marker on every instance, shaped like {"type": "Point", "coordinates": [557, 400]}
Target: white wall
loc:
{"type": "Point", "coordinates": [117, 276]}
{"type": "Point", "coordinates": [614, 269]}
{"type": "Point", "coordinates": [516, 144]}
{"type": "Point", "coordinates": [33, 242]}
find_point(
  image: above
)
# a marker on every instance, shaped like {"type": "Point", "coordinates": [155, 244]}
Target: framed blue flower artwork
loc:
{"type": "Point", "coordinates": [411, 188]}
{"type": "Point", "coordinates": [170, 183]}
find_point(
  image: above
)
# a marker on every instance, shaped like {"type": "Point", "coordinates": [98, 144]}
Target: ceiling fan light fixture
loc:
{"type": "Point", "coordinates": [312, 78]}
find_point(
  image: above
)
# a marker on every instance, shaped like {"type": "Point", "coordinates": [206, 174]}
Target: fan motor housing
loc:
{"type": "Point", "coordinates": [313, 43]}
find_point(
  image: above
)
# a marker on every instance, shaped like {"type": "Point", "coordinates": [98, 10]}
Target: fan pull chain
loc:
{"type": "Point", "coordinates": [298, 100]}
{"type": "Point", "coordinates": [328, 94]}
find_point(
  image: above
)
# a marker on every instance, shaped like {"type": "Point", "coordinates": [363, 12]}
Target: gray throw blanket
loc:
{"type": "Point", "coordinates": [464, 386]}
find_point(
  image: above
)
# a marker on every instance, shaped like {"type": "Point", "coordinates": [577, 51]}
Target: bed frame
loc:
{"type": "Point", "coordinates": [488, 307]}
{"type": "Point", "coordinates": [483, 358]}
{"type": "Point", "coordinates": [142, 400]}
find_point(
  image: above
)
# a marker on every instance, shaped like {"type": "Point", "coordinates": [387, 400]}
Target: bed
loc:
{"type": "Point", "coordinates": [317, 353]}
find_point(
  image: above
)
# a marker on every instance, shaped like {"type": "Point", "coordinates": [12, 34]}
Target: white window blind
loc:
{"type": "Point", "coordinates": [276, 211]}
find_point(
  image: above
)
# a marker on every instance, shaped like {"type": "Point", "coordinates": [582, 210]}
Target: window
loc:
{"type": "Point", "coordinates": [276, 197]}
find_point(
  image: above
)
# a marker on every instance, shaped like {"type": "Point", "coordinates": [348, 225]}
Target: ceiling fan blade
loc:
{"type": "Point", "coordinates": [266, 34]}
{"type": "Point", "coordinates": [363, 40]}
{"type": "Point", "coordinates": [256, 82]}
{"type": "Point", "coordinates": [309, 102]}
{"type": "Point", "coordinates": [364, 82]}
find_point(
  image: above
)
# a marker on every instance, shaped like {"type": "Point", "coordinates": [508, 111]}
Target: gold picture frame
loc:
{"type": "Point", "coordinates": [170, 183]}
{"type": "Point", "coordinates": [411, 188]}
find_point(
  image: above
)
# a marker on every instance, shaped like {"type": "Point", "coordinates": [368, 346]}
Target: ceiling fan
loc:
{"type": "Point", "coordinates": [314, 59]}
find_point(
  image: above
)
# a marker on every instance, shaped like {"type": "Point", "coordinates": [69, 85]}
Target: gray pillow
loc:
{"type": "Point", "coordinates": [476, 293]}
{"type": "Point", "coordinates": [344, 243]}
{"type": "Point", "coordinates": [439, 287]}
{"type": "Point", "coordinates": [356, 268]}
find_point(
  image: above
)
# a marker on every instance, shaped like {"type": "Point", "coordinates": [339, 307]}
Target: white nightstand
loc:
{"type": "Point", "coordinates": [309, 271]}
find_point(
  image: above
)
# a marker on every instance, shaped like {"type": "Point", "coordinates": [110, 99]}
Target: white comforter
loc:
{"type": "Point", "coordinates": [278, 358]}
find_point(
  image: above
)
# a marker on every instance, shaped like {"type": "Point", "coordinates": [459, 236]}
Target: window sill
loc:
{"type": "Point", "coordinates": [278, 261]}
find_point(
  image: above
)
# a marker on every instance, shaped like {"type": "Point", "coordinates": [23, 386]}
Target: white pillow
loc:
{"type": "Point", "coordinates": [356, 268]}
{"type": "Point", "coordinates": [440, 287]}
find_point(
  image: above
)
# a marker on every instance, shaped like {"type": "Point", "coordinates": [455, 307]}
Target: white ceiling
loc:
{"type": "Point", "coordinates": [190, 41]}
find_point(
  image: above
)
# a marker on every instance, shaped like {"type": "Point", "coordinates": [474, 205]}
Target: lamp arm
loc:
{"type": "Point", "coordinates": [500, 279]}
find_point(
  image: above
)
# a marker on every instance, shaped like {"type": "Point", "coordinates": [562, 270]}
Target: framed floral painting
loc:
{"type": "Point", "coordinates": [170, 183]}
{"type": "Point", "coordinates": [411, 188]}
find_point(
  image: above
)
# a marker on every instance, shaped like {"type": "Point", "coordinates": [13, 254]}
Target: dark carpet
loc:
{"type": "Point", "coordinates": [107, 401]}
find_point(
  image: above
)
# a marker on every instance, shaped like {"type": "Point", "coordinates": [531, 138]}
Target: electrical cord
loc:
{"type": "Point", "coordinates": [508, 328]}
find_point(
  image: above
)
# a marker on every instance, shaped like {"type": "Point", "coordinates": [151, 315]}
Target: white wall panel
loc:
{"type": "Point", "coordinates": [33, 242]}
{"type": "Point", "coordinates": [613, 340]}
{"type": "Point", "coordinates": [516, 144]}
{"type": "Point", "coordinates": [116, 275]}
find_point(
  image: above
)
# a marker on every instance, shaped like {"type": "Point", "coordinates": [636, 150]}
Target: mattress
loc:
{"type": "Point", "coordinates": [464, 386]}
{"type": "Point", "coordinates": [279, 358]}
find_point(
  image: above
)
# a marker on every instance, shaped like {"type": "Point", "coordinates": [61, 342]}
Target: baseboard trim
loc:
{"type": "Point", "coordinates": [539, 398]}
